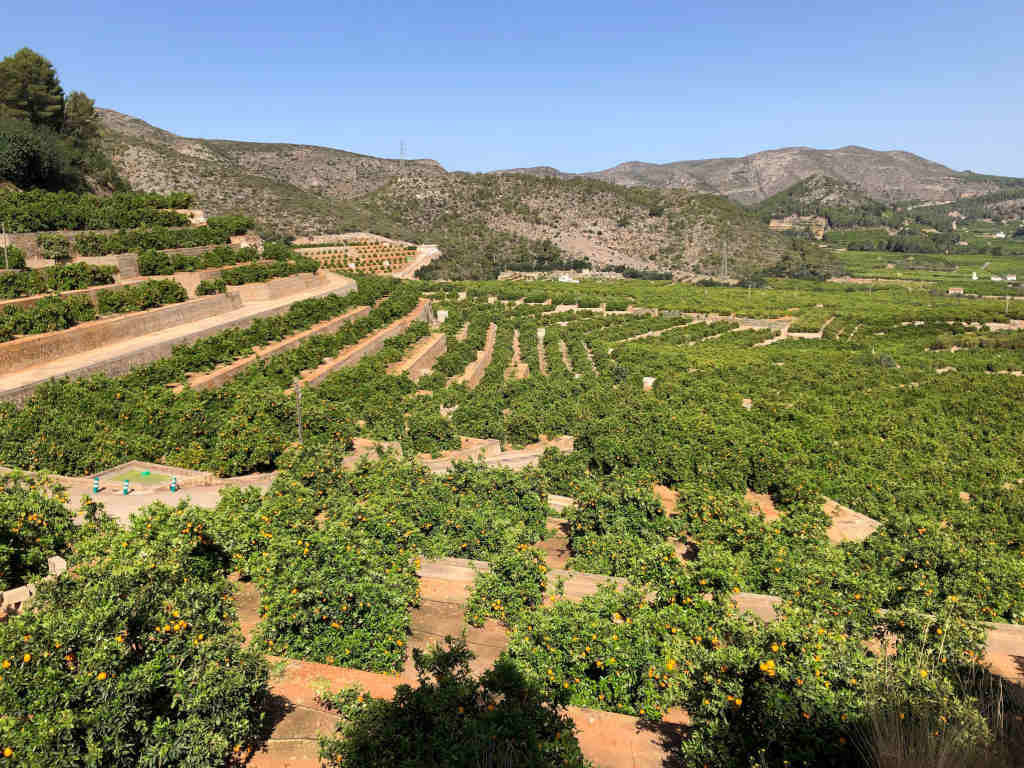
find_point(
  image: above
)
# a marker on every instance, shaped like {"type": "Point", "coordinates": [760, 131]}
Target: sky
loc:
{"type": "Point", "coordinates": [483, 85]}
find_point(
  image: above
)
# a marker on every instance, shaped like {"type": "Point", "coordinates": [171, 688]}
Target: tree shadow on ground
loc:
{"type": "Point", "coordinates": [669, 737]}
{"type": "Point", "coordinates": [453, 719]}
{"type": "Point", "coordinates": [275, 709]}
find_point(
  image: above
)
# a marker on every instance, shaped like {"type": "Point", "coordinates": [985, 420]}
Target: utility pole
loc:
{"type": "Point", "coordinates": [298, 406]}
{"type": "Point", "coordinates": [3, 236]}
{"type": "Point", "coordinates": [401, 159]}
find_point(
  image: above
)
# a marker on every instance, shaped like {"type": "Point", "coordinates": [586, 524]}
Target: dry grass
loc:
{"type": "Point", "coordinates": [897, 734]}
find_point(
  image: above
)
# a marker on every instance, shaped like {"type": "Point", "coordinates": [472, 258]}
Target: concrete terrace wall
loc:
{"type": "Point", "coordinates": [27, 241]}
{"type": "Point", "coordinates": [40, 347]}
{"type": "Point", "coordinates": [187, 280]}
{"type": "Point", "coordinates": [421, 359]}
{"type": "Point", "coordinates": [275, 289]}
{"type": "Point", "coordinates": [128, 351]}
{"type": "Point", "coordinates": [475, 371]}
{"type": "Point", "coordinates": [225, 373]}
{"type": "Point", "coordinates": [371, 345]}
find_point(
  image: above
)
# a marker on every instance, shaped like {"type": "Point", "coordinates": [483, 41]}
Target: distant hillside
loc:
{"type": "Point", "coordinates": [884, 176]}
{"type": "Point", "coordinates": [288, 188]}
{"type": "Point", "coordinates": [586, 219]}
{"type": "Point", "coordinates": [484, 222]}
{"type": "Point", "coordinates": [843, 204]}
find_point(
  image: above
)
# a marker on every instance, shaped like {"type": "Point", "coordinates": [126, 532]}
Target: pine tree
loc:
{"type": "Point", "coordinates": [80, 120]}
{"type": "Point", "coordinates": [30, 90]}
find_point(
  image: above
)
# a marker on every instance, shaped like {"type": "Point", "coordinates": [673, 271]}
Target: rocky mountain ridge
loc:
{"type": "Point", "coordinates": [890, 176]}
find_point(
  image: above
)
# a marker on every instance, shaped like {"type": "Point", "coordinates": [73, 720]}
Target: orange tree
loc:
{"type": "Point", "coordinates": [133, 657]}
{"type": "Point", "coordinates": [333, 595]}
{"type": "Point", "coordinates": [515, 583]}
{"type": "Point", "coordinates": [33, 526]}
{"type": "Point", "coordinates": [334, 551]}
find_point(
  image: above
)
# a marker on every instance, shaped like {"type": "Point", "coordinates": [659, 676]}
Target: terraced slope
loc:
{"type": "Point", "coordinates": [484, 223]}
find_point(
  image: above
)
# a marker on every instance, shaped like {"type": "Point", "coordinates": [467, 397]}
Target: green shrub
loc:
{"type": "Point", "coordinates": [139, 296]}
{"type": "Point", "coordinates": [52, 313]}
{"type": "Point", "coordinates": [154, 263]}
{"type": "Point", "coordinates": [451, 719]}
{"type": "Point", "coordinates": [515, 584]}
{"type": "Point", "coordinates": [33, 526]}
{"type": "Point", "coordinates": [37, 210]}
{"type": "Point", "coordinates": [62, 277]}
{"type": "Point", "coordinates": [132, 657]}
{"type": "Point", "coordinates": [13, 258]}
{"type": "Point", "coordinates": [32, 156]}
{"type": "Point", "coordinates": [53, 246]}
{"type": "Point", "coordinates": [210, 287]}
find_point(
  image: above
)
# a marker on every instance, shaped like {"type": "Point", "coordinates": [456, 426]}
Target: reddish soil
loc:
{"type": "Point", "coordinates": [668, 499]}
{"type": "Point", "coordinates": [762, 502]}
{"type": "Point", "coordinates": [556, 546]}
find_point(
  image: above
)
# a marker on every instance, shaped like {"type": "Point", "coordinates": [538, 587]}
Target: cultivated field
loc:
{"type": "Point", "coordinates": [684, 525]}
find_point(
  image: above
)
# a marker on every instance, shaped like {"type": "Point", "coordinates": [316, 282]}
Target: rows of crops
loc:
{"type": "Point", "coordinates": [898, 410]}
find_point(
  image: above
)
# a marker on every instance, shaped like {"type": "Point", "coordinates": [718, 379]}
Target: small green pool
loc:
{"type": "Point", "coordinates": [141, 477]}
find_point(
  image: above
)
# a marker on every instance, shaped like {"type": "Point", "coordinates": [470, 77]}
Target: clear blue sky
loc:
{"type": "Point", "coordinates": [581, 86]}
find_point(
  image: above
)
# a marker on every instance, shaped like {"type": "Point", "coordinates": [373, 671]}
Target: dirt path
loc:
{"type": "Point", "coordinates": [590, 357]}
{"type": "Point", "coordinates": [565, 355]}
{"type": "Point", "coordinates": [125, 354]}
{"type": "Point", "coordinates": [516, 368]}
{"type": "Point", "coordinates": [651, 334]}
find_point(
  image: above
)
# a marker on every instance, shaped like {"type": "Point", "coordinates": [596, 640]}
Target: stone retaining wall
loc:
{"type": "Point", "coordinates": [475, 371]}
{"type": "Point", "coordinates": [371, 345]}
{"type": "Point", "coordinates": [276, 288]}
{"type": "Point", "coordinates": [133, 356]}
{"type": "Point", "coordinates": [422, 357]}
{"type": "Point", "coordinates": [26, 241]}
{"type": "Point", "coordinates": [41, 347]}
{"type": "Point", "coordinates": [224, 374]}
{"type": "Point", "coordinates": [13, 601]}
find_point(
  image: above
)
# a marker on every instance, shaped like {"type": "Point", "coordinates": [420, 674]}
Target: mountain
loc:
{"type": "Point", "coordinates": [484, 223]}
{"type": "Point", "coordinates": [586, 219]}
{"type": "Point", "coordinates": [842, 203]}
{"type": "Point", "coordinates": [892, 176]}
{"type": "Point", "coordinates": [288, 188]}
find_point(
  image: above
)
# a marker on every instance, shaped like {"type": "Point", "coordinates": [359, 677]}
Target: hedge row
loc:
{"type": "Point", "coordinates": [38, 211]}
{"type": "Point", "coordinates": [217, 231]}
{"type": "Point", "coordinates": [56, 313]}
{"type": "Point", "coordinates": [63, 277]}
{"type": "Point", "coordinates": [256, 273]}
{"type": "Point", "coordinates": [154, 263]}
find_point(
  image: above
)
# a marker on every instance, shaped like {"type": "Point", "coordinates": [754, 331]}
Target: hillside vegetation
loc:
{"type": "Point", "coordinates": [844, 204]}
{"type": "Point", "coordinates": [583, 219]}
{"type": "Point", "coordinates": [484, 223]}
{"type": "Point", "coordinates": [48, 138]}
